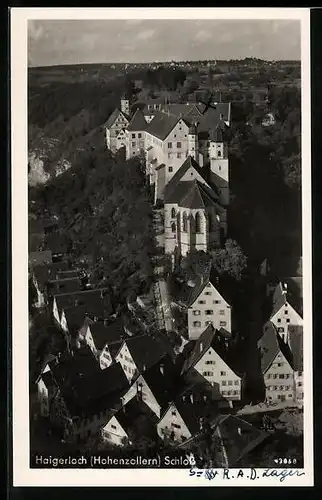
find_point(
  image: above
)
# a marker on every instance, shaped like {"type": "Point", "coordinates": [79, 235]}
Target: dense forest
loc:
{"type": "Point", "coordinates": [104, 211]}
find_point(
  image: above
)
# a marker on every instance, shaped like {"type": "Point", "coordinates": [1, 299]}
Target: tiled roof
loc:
{"type": "Point", "coordinates": [216, 339]}
{"type": "Point", "coordinates": [96, 391]}
{"type": "Point", "coordinates": [296, 346]}
{"type": "Point", "coordinates": [293, 295]}
{"type": "Point", "coordinates": [81, 364]}
{"type": "Point", "coordinates": [191, 413]}
{"type": "Point", "coordinates": [238, 438]}
{"type": "Point", "coordinates": [270, 345]}
{"type": "Point", "coordinates": [103, 335]}
{"type": "Point", "coordinates": [170, 189]}
{"type": "Point", "coordinates": [163, 384]}
{"type": "Point", "coordinates": [161, 125]}
{"type": "Point", "coordinates": [212, 117]}
{"type": "Point", "coordinates": [201, 346]}
{"type": "Point", "coordinates": [129, 415]}
{"type": "Point", "coordinates": [146, 350]}
{"type": "Point", "coordinates": [137, 122]}
{"type": "Point", "coordinates": [111, 119]}
{"type": "Point", "coordinates": [197, 197]}
{"type": "Point", "coordinates": [186, 295]}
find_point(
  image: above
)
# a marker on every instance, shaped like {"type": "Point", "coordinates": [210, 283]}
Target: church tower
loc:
{"type": "Point", "coordinates": [219, 163]}
{"type": "Point", "coordinates": [125, 105]}
{"type": "Point", "coordinates": [193, 142]}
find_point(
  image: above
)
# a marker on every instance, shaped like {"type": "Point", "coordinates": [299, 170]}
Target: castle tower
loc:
{"type": "Point", "coordinates": [125, 105]}
{"type": "Point", "coordinates": [219, 163]}
{"type": "Point", "coordinates": [193, 142]}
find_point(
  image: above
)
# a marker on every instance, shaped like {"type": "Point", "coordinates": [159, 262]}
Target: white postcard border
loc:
{"type": "Point", "coordinates": [23, 475]}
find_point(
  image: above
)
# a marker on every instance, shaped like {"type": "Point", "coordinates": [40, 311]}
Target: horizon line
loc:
{"type": "Point", "coordinates": [162, 62]}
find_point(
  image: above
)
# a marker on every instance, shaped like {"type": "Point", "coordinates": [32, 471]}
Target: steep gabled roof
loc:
{"type": "Point", "coordinates": [210, 337]}
{"type": "Point", "coordinates": [161, 125]}
{"type": "Point", "coordinates": [146, 350]}
{"type": "Point", "coordinates": [95, 392]}
{"type": "Point", "coordinates": [175, 180]}
{"type": "Point", "coordinates": [191, 413]}
{"type": "Point", "coordinates": [214, 116]}
{"type": "Point", "coordinates": [103, 335]}
{"type": "Point", "coordinates": [201, 346]}
{"type": "Point", "coordinates": [271, 345]}
{"type": "Point", "coordinates": [196, 197]}
{"type": "Point", "coordinates": [238, 438]}
{"type": "Point", "coordinates": [111, 119]}
{"type": "Point", "coordinates": [185, 295]}
{"type": "Point", "coordinates": [68, 371]}
{"type": "Point", "coordinates": [295, 334]}
{"type": "Point", "coordinates": [162, 381]}
{"type": "Point", "coordinates": [130, 418]}
{"type": "Point", "coordinates": [288, 291]}
{"type": "Point", "coordinates": [137, 122]}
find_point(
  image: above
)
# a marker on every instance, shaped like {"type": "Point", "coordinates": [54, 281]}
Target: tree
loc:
{"type": "Point", "coordinates": [230, 259]}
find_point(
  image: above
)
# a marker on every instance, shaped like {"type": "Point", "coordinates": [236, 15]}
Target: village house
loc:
{"type": "Point", "coordinates": [208, 301]}
{"type": "Point", "coordinates": [139, 353]}
{"type": "Point", "coordinates": [182, 420]}
{"type": "Point", "coordinates": [287, 306]}
{"type": "Point", "coordinates": [214, 360]}
{"type": "Point", "coordinates": [230, 440]}
{"type": "Point", "coordinates": [130, 424]}
{"type": "Point", "coordinates": [276, 366]}
{"type": "Point", "coordinates": [105, 340]}
{"type": "Point", "coordinates": [83, 394]}
{"type": "Point", "coordinates": [155, 387]}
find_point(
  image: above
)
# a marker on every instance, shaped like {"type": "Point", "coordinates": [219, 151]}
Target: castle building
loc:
{"type": "Point", "coordinates": [186, 163]}
{"type": "Point", "coordinates": [194, 219]}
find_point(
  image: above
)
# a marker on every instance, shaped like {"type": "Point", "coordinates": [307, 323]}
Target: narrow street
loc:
{"type": "Point", "coordinates": [163, 310]}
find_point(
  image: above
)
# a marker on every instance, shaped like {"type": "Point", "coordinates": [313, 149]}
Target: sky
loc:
{"type": "Point", "coordinates": [54, 42]}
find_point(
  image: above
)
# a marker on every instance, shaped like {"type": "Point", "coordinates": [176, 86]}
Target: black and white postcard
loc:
{"type": "Point", "coordinates": [161, 247]}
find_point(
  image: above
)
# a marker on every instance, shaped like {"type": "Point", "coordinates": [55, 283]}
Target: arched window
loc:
{"type": "Point", "coordinates": [185, 222]}
{"type": "Point", "coordinates": [173, 213]}
{"type": "Point", "coordinates": [173, 227]}
{"type": "Point", "coordinates": [198, 223]}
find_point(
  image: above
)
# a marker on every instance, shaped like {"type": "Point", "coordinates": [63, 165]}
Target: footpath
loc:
{"type": "Point", "coordinates": [163, 310]}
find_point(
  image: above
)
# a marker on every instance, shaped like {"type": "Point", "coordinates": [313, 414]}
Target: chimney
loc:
{"type": "Point", "coordinates": [239, 431]}
{"type": "Point", "coordinates": [105, 322]}
{"type": "Point", "coordinates": [201, 346]}
{"type": "Point", "coordinates": [191, 398]}
{"type": "Point", "coordinates": [201, 422]}
{"type": "Point", "coordinates": [143, 367]}
{"type": "Point", "coordinates": [162, 369]}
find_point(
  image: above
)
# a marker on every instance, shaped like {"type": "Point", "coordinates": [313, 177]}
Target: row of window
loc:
{"type": "Point", "coordinates": [229, 393]}
{"type": "Point", "coordinates": [279, 387]}
{"type": "Point", "coordinates": [197, 324]}
{"type": "Point", "coordinates": [280, 321]}
{"type": "Point", "coordinates": [204, 302]}
{"type": "Point", "coordinates": [208, 312]}
{"type": "Point", "coordinates": [283, 375]}
{"type": "Point", "coordinates": [139, 136]}
{"type": "Point", "coordinates": [179, 145]}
